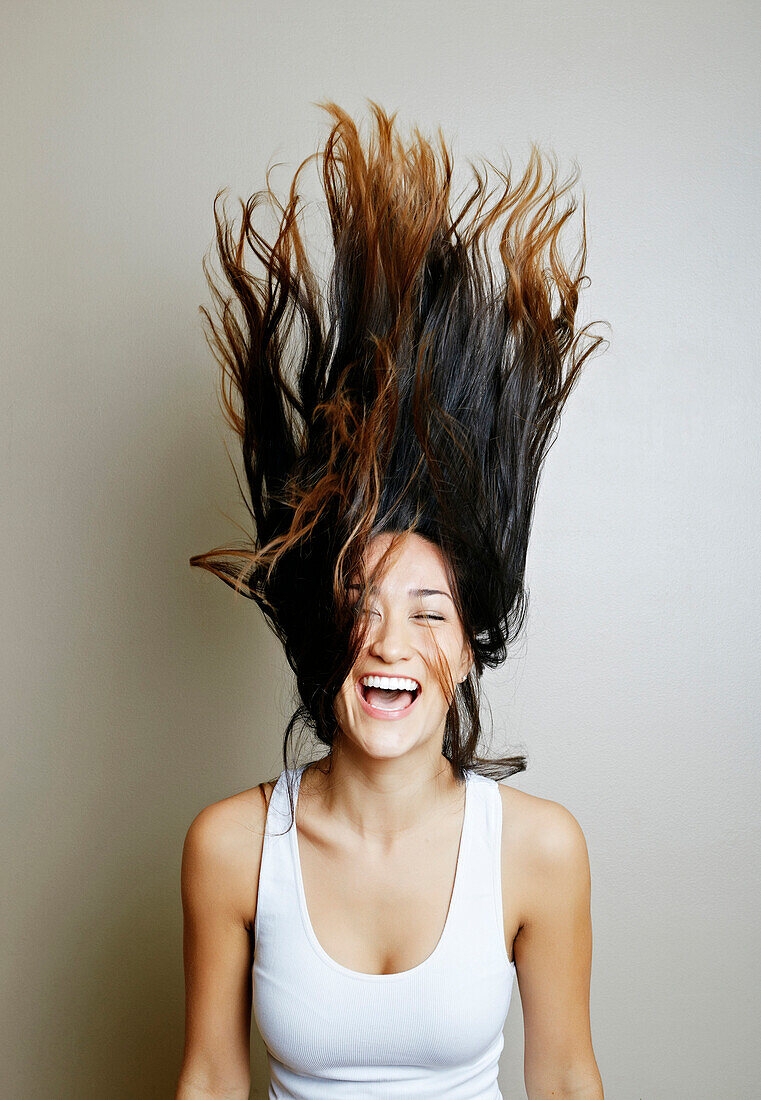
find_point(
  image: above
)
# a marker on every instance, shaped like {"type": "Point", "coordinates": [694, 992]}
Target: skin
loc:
{"type": "Point", "coordinates": [378, 842]}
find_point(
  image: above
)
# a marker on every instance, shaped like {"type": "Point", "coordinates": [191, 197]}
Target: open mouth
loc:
{"type": "Point", "coordinates": [387, 705]}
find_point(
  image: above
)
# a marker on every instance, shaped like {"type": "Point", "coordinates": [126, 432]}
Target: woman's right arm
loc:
{"type": "Point", "coordinates": [220, 871]}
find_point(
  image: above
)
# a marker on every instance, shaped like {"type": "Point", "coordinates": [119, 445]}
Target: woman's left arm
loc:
{"type": "Point", "coordinates": [553, 961]}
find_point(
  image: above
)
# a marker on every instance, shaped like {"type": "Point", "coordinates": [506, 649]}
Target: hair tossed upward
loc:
{"type": "Point", "coordinates": [417, 386]}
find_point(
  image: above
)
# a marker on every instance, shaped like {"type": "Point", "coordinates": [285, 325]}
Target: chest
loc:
{"type": "Point", "coordinates": [381, 960]}
{"type": "Point", "coordinates": [383, 911]}
{"type": "Point", "coordinates": [378, 912]}
{"type": "Point", "coordinates": [388, 956]}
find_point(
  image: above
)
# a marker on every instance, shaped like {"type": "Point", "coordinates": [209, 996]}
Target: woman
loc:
{"type": "Point", "coordinates": [373, 904]}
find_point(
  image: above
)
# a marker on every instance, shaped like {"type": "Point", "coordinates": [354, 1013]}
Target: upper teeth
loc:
{"type": "Point", "coordinates": [392, 683]}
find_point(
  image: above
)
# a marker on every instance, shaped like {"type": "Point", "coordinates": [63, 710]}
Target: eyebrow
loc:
{"type": "Point", "coordinates": [413, 591]}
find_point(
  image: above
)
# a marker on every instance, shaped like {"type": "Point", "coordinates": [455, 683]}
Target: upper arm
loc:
{"type": "Point", "coordinates": [553, 956]}
{"type": "Point", "coordinates": [220, 863]}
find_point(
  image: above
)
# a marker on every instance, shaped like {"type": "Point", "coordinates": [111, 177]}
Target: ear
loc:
{"type": "Point", "coordinates": [466, 663]}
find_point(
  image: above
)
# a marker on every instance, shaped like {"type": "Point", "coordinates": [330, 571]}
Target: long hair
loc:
{"type": "Point", "coordinates": [417, 386]}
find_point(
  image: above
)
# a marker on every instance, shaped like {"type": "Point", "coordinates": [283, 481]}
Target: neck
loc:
{"type": "Point", "coordinates": [382, 799]}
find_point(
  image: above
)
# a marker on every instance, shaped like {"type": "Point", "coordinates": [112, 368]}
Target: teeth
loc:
{"type": "Point", "coordinates": [392, 683]}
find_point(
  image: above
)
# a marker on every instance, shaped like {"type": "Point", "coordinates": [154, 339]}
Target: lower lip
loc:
{"type": "Point", "coordinates": [386, 715]}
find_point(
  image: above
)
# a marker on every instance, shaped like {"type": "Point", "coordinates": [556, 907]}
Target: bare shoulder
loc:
{"type": "Point", "coordinates": [223, 849]}
{"type": "Point", "coordinates": [547, 830]}
{"type": "Point", "coordinates": [543, 848]}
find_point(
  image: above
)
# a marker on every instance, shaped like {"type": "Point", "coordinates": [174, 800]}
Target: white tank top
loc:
{"type": "Point", "coordinates": [432, 1031]}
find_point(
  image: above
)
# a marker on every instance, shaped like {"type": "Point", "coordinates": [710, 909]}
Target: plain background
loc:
{"type": "Point", "coordinates": [138, 690]}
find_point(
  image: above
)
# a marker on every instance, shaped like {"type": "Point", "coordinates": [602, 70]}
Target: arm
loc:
{"type": "Point", "coordinates": [219, 862]}
{"type": "Point", "coordinates": [553, 959]}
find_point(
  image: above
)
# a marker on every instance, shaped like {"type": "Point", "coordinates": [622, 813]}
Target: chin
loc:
{"type": "Point", "coordinates": [383, 738]}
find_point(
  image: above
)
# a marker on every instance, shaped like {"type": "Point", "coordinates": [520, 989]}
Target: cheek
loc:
{"type": "Point", "coordinates": [445, 649]}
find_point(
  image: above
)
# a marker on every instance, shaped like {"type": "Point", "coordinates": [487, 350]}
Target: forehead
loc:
{"type": "Point", "coordinates": [413, 560]}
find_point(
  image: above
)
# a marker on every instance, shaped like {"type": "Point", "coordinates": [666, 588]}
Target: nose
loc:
{"type": "Point", "coordinates": [389, 640]}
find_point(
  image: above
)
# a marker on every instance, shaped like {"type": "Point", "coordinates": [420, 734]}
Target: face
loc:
{"type": "Point", "coordinates": [412, 625]}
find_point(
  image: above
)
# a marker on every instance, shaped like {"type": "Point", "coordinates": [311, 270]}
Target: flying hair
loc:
{"type": "Point", "coordinates": [417, 385]}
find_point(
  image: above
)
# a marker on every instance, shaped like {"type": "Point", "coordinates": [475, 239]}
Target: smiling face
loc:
{"type": "Point", "coordinates": [413, 629]}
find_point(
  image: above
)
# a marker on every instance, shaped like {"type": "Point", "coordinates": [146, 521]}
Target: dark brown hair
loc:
{"type": "Point", "coordinates": [417, 386]}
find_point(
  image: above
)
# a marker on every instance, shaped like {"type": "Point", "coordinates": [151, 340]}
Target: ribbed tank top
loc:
{"type": "Point", "coordinates": [432, 1031]}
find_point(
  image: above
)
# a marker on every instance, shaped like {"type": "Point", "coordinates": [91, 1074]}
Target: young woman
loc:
{"type": "Point", "coordinates": [372, 905]}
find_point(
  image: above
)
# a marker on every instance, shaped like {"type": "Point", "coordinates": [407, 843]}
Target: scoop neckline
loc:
{"type": "Point", "coordinates": [399, 975]}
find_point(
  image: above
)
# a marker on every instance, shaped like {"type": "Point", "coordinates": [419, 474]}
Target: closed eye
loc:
{"type": "Point", "coordinates": [435, 618]}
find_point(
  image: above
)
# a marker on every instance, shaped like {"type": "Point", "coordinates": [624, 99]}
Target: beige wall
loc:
{"type": "Point", "coordinates": [138, 691]}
